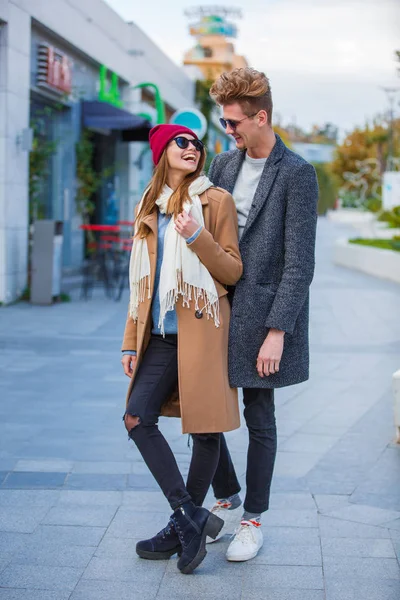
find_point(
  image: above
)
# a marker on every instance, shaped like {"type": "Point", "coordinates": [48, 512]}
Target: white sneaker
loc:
{"type": "Point", "coordinates": [230, 517]}
{"type": "Point", "coordinates": [247, 541]}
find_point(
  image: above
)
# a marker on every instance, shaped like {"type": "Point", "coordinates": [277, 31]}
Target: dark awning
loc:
{"type": "Point", "coordinates": [101, 115]}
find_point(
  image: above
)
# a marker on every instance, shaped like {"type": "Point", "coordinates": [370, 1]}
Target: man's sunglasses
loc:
{"type": "Point", "coordinates": [233, 124]}
{"type": "Point", "coordinates": [183, 143]}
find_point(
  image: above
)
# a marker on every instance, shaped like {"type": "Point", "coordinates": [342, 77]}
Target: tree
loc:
{"type": "Point", "coordinates": [319, 134]}
{"type": "Point", "coordinates": [327, 188]}
{"type": "Point", "coordinates": [325, 134]}
{"type": "Point", "coordinates": [206, 106]}
{"type": "Point", "coordinates": [284, 134]}
{"type": "Point", "coordinates": [370, 142]}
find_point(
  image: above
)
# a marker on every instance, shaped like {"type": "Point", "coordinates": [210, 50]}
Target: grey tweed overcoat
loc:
{"type": "Point", "coordinates": [277, 249]}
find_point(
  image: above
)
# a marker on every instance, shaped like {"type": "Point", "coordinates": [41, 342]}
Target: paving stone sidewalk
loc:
{"type": "Point", "coordinates": [75, 496]}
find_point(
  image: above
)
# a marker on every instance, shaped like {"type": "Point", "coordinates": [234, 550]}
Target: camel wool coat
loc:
{"type": "Point", "coordinates": [204, 401]}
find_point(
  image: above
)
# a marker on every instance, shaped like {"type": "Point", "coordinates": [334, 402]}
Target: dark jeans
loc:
{"type": "Point", "coordinates": [259, 413]}
{"type": "Point", "coordinates": [156, 379]}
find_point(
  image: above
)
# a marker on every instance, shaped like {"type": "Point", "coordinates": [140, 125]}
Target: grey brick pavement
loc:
{"type": "Point", "coordinates": [75, 495]}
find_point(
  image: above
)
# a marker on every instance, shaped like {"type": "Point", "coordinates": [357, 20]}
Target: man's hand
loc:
{"type": "Point", "coordinates": [185, 225]}
{"type": "Point", "coordinates": [128, 364]}
{"type": "Point", "coordinates": [270, 354]}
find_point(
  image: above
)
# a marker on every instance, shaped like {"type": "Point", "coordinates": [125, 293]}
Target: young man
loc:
{"type": "Point", "coordinates": [276, 195]}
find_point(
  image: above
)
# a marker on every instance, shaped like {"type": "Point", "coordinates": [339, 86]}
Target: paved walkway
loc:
{"type": "Point", "coordinates": [75, 496]}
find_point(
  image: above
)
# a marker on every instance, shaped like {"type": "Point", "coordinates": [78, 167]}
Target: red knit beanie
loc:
{"type": "Point", "coordinates": [161, 135]}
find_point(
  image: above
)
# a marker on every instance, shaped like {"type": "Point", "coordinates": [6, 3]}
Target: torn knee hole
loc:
{"type": "Point", "coordinates": [131, 422]}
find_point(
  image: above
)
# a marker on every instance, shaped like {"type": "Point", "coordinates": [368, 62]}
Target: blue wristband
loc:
{"type": "Point", "coordinates": [194, 236]}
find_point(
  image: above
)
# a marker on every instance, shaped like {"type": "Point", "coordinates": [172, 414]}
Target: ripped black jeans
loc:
{"type": "Point", "coordinates": [155, 380]}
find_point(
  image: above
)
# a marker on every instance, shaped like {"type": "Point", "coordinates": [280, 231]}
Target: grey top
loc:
{"type": "Point", "coordinates": [245, 187]}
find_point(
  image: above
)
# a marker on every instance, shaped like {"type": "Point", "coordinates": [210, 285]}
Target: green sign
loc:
{"type": "Point", "coordinates": [109, 91]}
{"type": "Point", "coordinates": [158, 101]}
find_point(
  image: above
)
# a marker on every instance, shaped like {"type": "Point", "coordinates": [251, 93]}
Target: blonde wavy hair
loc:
{"type": "Point", "coordinates": [246, 86]}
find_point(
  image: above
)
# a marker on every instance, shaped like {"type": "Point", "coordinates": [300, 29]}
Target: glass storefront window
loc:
{"type": "Point", "coordinates": [40, 161]}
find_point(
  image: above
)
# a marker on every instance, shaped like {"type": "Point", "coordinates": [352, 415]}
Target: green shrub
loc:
{"type": "Point", "coordinates": [26, 296]}
{"type": "Point", "coordinates": [373, 204]}
{"type": "Point", "coordinates": [327, 188]}
{"type": "Point", "coordinates": [349, 199]}
{"type": "Point", "coordinates": [393, 244]}
{"type": "Point", "coordinates": [391, 216]}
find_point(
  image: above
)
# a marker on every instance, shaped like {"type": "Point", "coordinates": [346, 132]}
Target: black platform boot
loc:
{"type": "Point", "coordinates": [160, 547]}
{"type": "Point", "coordinates": [193, 524]}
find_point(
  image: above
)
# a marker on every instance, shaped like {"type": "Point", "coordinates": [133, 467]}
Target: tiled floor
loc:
{"type": "Point", "coordinates": [75, 495]}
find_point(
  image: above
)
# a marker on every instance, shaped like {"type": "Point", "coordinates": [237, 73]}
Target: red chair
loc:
{"type": "Point", "coordinates": [101, 242]}
{"type": "Point", "coordinates": [108, 249]}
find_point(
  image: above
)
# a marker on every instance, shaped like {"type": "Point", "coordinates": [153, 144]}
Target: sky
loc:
{"type": "Point", "coordinates": [327, 60]}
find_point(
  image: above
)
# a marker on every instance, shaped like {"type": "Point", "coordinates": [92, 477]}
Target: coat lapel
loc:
{"type": "Point", "coordinates": [152, 242]}
{"type": "Point", "coordinates": [151, 221]}
{"type": "Point", "coordinates": [230, 174]}
{"type": "Point", "coordinates": [266, 182]}
{"type": "Point", "coordinates": [206, 212]}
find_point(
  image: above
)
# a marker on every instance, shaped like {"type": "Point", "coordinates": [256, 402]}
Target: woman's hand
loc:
{"type": "Point", "coordinates": [128, 364]}
{"type": "Point", "coordinates": [185, 225]}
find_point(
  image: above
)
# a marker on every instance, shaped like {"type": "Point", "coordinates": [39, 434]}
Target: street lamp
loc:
{"type": "Point", "coordinates": [391, 93]}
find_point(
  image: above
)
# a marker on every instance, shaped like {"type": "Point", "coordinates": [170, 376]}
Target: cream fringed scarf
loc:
{"type": "Point", "coordinates": [182, 273]}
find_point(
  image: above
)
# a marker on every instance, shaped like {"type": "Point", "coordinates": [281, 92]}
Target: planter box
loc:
{"type": "Point", "coordinates": [364, 222]}
{"type": "Point", "coordinates": [351, 216]}
{"type": "Point", "coordinates": [396, 399]}
{"type": "Point", "coordinates": [383, 232]}
{"type": "Point", "coordinates": [375, 230]}
{"type": "Point", "coordinates": [373, 261]}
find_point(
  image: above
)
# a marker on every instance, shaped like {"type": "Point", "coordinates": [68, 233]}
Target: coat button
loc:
{"type": "Point", "coordinates": [198, 314]}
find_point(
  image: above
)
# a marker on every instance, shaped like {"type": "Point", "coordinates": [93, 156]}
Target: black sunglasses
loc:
{"type": "Point", "coordinates": [233, 124]}
{"type": "Point", "coordinates": [183, 143]}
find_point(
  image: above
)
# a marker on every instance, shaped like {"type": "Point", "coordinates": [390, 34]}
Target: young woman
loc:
{"type": "Point", "coordinates": [185, 252]}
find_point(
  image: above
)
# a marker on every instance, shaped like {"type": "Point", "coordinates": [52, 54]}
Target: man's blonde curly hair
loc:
{"type": "Point", "coordinates": [247, 87]}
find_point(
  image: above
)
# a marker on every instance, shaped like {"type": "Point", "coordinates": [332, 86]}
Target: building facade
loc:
{"type": "Point", "coordinates": [67, 67]}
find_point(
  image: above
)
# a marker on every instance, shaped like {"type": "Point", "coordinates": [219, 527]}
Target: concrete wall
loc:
{"type": "Point", "coordinates": [14, 118]}
{"type": "Point", "coordinates": [384, 264]}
